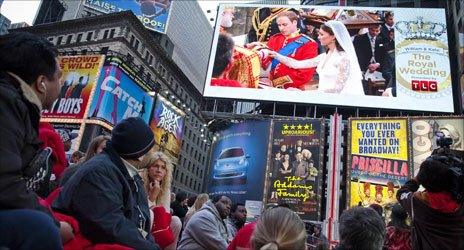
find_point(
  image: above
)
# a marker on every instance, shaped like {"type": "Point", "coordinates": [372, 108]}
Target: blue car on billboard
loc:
{"type": "Point", "coordinates": [231, 163]}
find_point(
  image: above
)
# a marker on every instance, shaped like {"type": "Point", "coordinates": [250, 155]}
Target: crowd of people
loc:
{"type": "Point", "coordinates": [119, 195]}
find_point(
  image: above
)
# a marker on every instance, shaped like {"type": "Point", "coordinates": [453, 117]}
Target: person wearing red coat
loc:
{"type": "Point", "coordinates": [52, 139]}
{"type": "Point", "coordinates": [280, 74]}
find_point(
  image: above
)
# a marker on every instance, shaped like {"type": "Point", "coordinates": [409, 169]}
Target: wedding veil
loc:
{"type": "Point", "coordinates": [344, 39]}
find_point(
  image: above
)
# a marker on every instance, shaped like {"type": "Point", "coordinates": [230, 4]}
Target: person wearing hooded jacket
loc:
{"type": "Point", "coordinates": [29, 81]}
{"type": "Point", "coordinates": [106, 194]}
{"type": "Point", "coordinates": [207, 229]}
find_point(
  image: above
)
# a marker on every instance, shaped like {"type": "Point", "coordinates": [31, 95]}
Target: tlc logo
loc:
{"type": "Point", "coordinates": [421, 85]}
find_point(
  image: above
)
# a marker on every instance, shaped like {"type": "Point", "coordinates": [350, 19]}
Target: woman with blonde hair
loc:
{"type": "Point", "coordinates": [201, 199]}
{"type": "Point", "coordinates": [157, 178]}
{"type": "Point", "coordinates": [279, 228]}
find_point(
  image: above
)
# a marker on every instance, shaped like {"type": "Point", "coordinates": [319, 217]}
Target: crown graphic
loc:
{"type": "Point", "coordinates": [418, 29]}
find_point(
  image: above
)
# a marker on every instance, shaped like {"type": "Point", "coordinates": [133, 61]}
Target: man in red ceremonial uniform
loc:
{"type": "Point", "coordinates": [291, 43]}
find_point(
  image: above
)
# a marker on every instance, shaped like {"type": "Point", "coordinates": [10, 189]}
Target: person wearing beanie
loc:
{"type": "Point", "coordinates": [106, 194]}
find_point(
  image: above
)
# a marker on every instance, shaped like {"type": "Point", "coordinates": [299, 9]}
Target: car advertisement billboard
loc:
{"type": "Point", "coordinates": [378, 162]}
{"type": "Point", "coordinates": [119, 94]}
{"type": "Point", "coordinates": [295, 166]}
{"type": "Point", "coordinates": [154, 14]}
{"type": "Point", "coordinates": [167, 124]}
{"type": "Point", "coordinates": [395, 58]}
{"type": "Point", "coordinates": [79, 77]}
{"type": "Point", "coordinates": [238, 161]}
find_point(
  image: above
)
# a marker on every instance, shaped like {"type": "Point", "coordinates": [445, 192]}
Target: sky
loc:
{"type": "Point", "coordinates": [20, 10]}
{"type": "Point", "coordinates": [25, 10]}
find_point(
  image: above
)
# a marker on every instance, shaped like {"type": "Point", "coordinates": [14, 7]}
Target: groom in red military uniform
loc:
{"type": "Point", "coordinates": [291, 43]}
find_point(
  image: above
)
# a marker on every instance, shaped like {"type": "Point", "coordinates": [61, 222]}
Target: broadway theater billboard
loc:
{"type": "Point", "coordinates": [80, 74]}
{"type": "Point", "coordinates": [377, 160]}
{"type": "Point", "coordinates": [295, 166]}
{"type": "Point", "coordinates": [424, 138]}
{"type": "Point", "coordinates": [238, 161]}
{"type": "Point", "coordinates": [393, 58]}
{"type": "Point", "coordinates": [167, 124]}
{"type": "Point", "coordinates": [120, 94]}
{"type": "Point", "coordinates": [153, 14]}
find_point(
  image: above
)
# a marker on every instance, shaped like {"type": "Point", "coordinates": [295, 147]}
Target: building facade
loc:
{"type": "Point", "coordinates": [186, 23]}
{"type": "Point", "coordinates": [123, 35]}
{"type": "Point", "coordinates": [50, 11]}
{"type": "Point", "coordinates": [4, 24]}
{"type": "Point", "coordinates": [19, 25]}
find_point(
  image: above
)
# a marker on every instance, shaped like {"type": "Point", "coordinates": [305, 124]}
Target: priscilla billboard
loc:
{"type": "Point", "coordinates": [378, 160]}
{"type": "Point", "coordinates": [395, 58]}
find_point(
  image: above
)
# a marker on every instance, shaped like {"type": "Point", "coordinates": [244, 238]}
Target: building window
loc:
{"type": "Point", "coordinates": [68, 39]}
{"type": "Point", "coordinates": [50, 39]}
{"type": "Point", "coordinates": [105, 34]}
{"type": "Point", "coordinates": [89, 36]}
{"type": "Point", "coordinates": [136, 45]}
{"type": "Point", "coordinates": [112, 33]}
{"type": "Point", "coordinates": [60, 39]}
{"type": "Point", "coordinates": [79, 38]}
{"type": "Point", "coordinates": [132, 38]}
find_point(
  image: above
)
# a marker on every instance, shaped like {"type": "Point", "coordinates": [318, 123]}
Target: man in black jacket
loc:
{"type": "Point", "coordinates": [106, 194]}
{"type": "Point", "coordinates": [29, 81]}
{"type": "Point", "coordinates": [437, 219]}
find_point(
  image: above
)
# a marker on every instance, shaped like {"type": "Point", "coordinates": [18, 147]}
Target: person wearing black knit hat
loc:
{"type": "Point", "coordinates": [106, 194]}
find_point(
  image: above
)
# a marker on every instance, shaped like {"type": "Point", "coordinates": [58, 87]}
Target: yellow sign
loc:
{"type": "Point", "coordinates": [380, 138]}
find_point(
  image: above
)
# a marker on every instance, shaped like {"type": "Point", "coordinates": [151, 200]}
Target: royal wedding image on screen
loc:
{"type": "Point", "coordinates": [394, 58]}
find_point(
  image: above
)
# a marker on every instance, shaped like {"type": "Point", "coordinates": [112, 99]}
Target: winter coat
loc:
{"type": "Point", "coordinates": [432, 229]}
{"type": "Point", "coordinates": [20, 114]}
{"type": "Point", "coordinates": [205, 230]}
{"type": "Point", "coordinates": [110, 205]}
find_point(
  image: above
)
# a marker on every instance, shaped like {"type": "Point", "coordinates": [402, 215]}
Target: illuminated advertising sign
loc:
{"type": "Point", "coordinates": [119, 95]}
{"type": "Point", "coordinates": [79, 76]}
{"type": "Point", "coordinates": [153, 14]}
{"type": "Point", "coordinates": [167, 124]}
{"type": "Point", "coordinates": [395, 58]}
{"type": "Point", "coordinates": [424, 138]}
{"type": "Point", "coordinates": [295, 170]}
{"type": "Point", "coordinates": [377, 160]}
{"type": "Point", "coordinates": [238, 161]}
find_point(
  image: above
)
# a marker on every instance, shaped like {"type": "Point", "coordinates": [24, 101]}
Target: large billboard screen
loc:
{"type": "Point", "coordinates": [167, 124]}
{"type": "Point", "coordinates": [378, 162]}
{"type": "Point", "coordinates": [119, 94]}
{"type": "Point", "coordinates": [238, 161]}
{"type": "Point", "coordinates": [154, 14]}
{"type": "Point", "coordinates": [395, 58]}
{"type": "Point", "coordinates": [295, 166]}
{"type": "Point", "coordinates": [79, 76]}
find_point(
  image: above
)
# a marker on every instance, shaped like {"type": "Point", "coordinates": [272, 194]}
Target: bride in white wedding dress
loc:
{"type": "Point", "coordinates": [338, 68]}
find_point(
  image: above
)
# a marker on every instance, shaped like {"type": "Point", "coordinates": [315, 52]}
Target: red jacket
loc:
{"type": "Point", "coordinates": [52, 139]}
{"type": "Point", "coordinates": [242, 239]}
{"type": "Point", "coordinates": [299, 77]}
